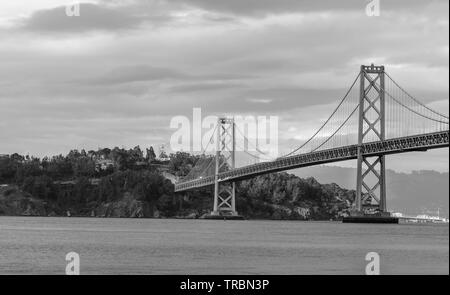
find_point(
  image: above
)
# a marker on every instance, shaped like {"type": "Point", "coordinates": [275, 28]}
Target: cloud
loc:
{"type": "Point", "coordinates": [128, 67]}
{"type": "Point", "coordinates": [137, 73]}
{"type": "Point", "coordinates": [265, 7]}
{"type": "Point", "coordinates": [92, 17]}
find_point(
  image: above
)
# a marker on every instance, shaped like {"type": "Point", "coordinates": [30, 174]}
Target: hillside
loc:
{"type": "Point", "coordinates": [412, 193]}
{"type": "Point", "coordinates": [131, 185]}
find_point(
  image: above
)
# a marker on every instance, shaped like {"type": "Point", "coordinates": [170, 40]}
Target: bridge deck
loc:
{"type": "Point", "coordinates": [420, 142]}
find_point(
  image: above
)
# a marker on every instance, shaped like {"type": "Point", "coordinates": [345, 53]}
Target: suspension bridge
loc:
{"type": "Point", "coordinates": [375, 118]}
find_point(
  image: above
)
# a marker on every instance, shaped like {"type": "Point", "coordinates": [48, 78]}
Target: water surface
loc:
{"type": "Point", "coordinates": [38, 245]}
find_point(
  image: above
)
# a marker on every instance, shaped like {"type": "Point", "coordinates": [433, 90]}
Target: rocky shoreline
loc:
{"type": "Point", "coordinates": [138, 186]}
{"type": "Point", "coordinates": [14, 202]}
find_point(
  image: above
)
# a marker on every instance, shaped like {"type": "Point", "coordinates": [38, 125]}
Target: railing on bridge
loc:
{"type": "Point", "coordinates": [391, 146]}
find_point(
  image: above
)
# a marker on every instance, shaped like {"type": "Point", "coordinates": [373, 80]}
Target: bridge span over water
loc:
{"type": "Point", "coordinates": [375, 118]}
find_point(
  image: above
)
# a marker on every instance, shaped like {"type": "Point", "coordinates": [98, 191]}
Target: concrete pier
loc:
{"type": "Point", "coordinates": [371, 219]}
{"type": "Point", "coordinates": [223, 217]}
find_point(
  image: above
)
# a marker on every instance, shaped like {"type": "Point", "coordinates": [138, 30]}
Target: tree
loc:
{"type": "Point", "coordinates": [150, 156]}
{"type": "Point", "coordinates": [152, 186]}
{"type": "Point", "coordinates": [28, 168]}
{"type": "Point", "coordinates": [181, 163]}
{"type": "Point", "coordinates": [7, 169]}
{"type": "Point", "coordinates": [40, 187]}
{"type": "Point", "coordinates": [84, 166]}
{"type": "Point", "coordinates": [136, 155]}
{"type": "Point", "coordinates": [104, 153]}
{"type": "Point", "coordinates": [59, 167]}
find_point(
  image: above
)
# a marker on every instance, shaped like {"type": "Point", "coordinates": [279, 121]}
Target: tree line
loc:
{"type": "Point", "coordinates": [67, 180]}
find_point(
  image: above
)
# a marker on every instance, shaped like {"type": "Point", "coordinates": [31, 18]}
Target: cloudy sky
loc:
{"type": "Point", "coordinates": [117, 74]}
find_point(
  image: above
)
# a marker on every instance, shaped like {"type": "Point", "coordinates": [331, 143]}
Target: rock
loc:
{"type": "Point", "coordinates": [203, 216]}
{"type": "Point", "coordinates": [157, 214]}
{"type": "Point", "coordinates": [52, 214]}
{"type": "Point", "coordinates": [127, 207]}
{"type": "Point", "coordinates": [17, 203]}
{"type": "Point", "coordinates": [281, 212]}
{"type": "Point", "coordinates": [304, 213]}
{"type": "Point", "coordinates": [191, 216]}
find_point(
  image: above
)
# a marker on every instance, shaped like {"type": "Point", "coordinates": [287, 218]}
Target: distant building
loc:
{"type": "Point", "coordinates": [436, 219]}
{"type": "Point", "coordinates": [103, 164]}
{"type": "Point", "coordinates": [163, 157]}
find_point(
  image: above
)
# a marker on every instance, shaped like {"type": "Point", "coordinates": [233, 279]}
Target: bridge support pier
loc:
{"type": "Point", "coordinates": [371, 171]}
{"type": "Point", "coordinates": [225, 193]}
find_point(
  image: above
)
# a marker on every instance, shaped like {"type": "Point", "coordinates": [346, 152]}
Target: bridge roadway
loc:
{"type": "Point", "coordinates": [421, 142]}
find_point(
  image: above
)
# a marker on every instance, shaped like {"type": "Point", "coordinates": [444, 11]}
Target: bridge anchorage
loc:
{"type": "Point", "coordinates": [376, 119]}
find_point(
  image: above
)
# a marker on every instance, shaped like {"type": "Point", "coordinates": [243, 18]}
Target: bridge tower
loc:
{"type": "Point", "coordinates": [225, 192]}
{"type": "Point", "coordinates": [371, 171]}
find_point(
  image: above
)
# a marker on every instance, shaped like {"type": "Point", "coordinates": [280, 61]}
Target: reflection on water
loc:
{"type": "Point", "coordinates": [156, 246]}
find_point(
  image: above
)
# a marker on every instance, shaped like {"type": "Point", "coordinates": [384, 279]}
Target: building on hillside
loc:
{"type": "Point", "coordinates": [103, 164]}
{"type": "Point", "coordinates": [162, 157]}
